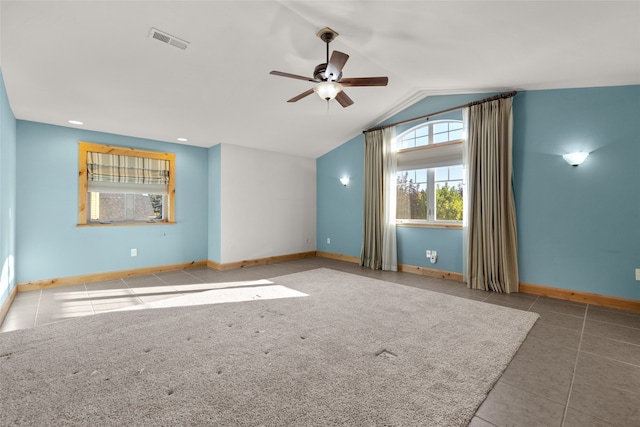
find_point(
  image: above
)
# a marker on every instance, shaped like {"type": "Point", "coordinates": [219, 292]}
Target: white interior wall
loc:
{"type": "Point", "coordinates": [268, 204]}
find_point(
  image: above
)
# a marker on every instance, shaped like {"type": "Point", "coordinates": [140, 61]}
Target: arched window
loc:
{"type": "Point", "coordinates": [430, 174]}
{"type": "Point", "coordinates": [436, 132]}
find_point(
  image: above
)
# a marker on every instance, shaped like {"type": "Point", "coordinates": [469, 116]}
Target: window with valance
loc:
{"type": "Point", "coordinates": [119, 185]}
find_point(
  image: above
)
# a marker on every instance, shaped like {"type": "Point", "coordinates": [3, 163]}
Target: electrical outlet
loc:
{"type": "Point", "coordinates": [134, 252]}
{"type": "Point", "coordinates": [428, 254]}
{"type": "Point", "coordinates": [637, 273]}
{"type": "Point", "coordinates": [328, 240]}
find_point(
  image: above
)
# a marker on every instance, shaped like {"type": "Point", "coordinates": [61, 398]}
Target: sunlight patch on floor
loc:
{"type": "Point", "coordinates": [224, 293]}
{"type": "Point", "coordinates": [219, 296]}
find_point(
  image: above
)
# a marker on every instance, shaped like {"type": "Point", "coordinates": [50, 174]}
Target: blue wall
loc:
{"type": "Point", "coordinates": [50, 245]}
{"type": "Point", "coordinates": [7, 194]}
{"type": "Point", "coordinates": [578, 227]}
{"type": "Point", "coordinates": [340, 209]}
{"type": "Point", "coordinates": [215, 207]}
{"type": "Point", "coordinates": [413, 243]}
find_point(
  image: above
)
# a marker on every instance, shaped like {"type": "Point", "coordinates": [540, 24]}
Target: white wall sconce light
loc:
{"type": "Point", "coordinates": [574, 159]}
{"type": "Point", "coordinates": [344, 180]}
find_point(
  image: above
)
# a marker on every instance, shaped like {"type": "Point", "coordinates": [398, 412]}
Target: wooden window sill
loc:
{"type": "Point", "coordinates": [116, 224]}
{"type": "Point", "coordinates": [429, 225]}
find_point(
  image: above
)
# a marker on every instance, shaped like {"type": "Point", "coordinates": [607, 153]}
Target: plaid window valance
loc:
{"type": "Point", "coordinates": [126, 169]}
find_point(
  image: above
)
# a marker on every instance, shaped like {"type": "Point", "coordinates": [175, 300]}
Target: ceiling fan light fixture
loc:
{"type": "Point", "coordinates": [327, 90]}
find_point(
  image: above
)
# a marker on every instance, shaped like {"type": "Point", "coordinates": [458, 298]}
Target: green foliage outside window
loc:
{"type": "Point", "coordinates": [449, 203]}
{"type": "Point", "coordinates": [412, 201]}
{"type": "Point", "coordinates": [156, 202]}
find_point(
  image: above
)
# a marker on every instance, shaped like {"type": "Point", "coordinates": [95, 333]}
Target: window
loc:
{"type": "Point", "coordinates": [430, 174]}
{"type": "Point", "coordinates": [118, 185]}
{"type": "Point", "coordinates": [430, 133]}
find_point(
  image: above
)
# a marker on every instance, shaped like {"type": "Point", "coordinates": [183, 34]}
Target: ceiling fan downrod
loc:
{"type": "Point", "coordinates": [327, 35]}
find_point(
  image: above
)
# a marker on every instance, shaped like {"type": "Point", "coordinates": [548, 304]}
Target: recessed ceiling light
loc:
{"type": "Point", "coordinates": [182, 139]}
{"type": "Point", "coordinates": [75, 122]}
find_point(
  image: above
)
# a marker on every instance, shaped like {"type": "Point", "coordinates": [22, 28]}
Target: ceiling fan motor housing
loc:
{"type": "Point", "coordinates": [318, 73]}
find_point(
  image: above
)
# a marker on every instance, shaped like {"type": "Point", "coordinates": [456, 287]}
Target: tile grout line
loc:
{"type": "Point", "coordinates": [135, 295]}
{"type": "Point", "coordinates": [193, 275]}
{"type": "Point", "coordinates": [575, 367]}
{"type": "Point", "coordinates": [615, 324]}
{"type": "Point", "coordinates": [480, 418]}
{"type": "Point", "coordinates": [612, 359]}
{"type": "Point", "coordinates": [86, 288]}
{"type": "Point", "coordinates": [93, 311]}
{"type": "Point", "coordinates": [35, 319]}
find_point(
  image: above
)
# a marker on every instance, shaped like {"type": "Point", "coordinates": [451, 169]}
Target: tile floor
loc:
{"type": "Point", "coordinates": [579, 366]}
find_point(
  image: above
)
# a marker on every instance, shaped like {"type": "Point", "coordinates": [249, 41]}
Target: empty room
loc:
{"type": "Point", "coordinates": [305, 213]}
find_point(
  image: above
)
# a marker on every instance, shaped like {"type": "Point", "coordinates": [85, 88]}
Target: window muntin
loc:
{"type": "Point", "coordinates": [125, 186]}
{"type": "Point", "coordinates": [430, 176]}
{"type": "Point", "coordinates": [430, 133]}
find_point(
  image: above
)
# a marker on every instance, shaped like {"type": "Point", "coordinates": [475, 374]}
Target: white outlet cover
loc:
{"type": "Point", "coordinates": [637, 273]}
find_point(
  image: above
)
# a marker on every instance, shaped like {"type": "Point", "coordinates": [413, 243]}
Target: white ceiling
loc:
{"type": "Point", "coordinates": [94, 61]}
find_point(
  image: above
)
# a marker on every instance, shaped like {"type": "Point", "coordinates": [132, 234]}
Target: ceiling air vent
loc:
{"type": "Point", "coordinates": [168, 38]}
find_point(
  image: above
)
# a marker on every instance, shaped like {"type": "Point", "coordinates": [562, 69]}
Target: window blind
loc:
{"type": "Point", "coordinates": [431, 156]}
{"type": "Point", "coordinates": [126, 174]}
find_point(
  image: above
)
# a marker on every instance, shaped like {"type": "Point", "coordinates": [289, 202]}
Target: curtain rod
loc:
{"type": "Point", "coordinates": [426, 116]}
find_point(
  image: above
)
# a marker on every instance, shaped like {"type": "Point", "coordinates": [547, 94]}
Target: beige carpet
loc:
{"type": "Point", "coordinates": [353, 351]}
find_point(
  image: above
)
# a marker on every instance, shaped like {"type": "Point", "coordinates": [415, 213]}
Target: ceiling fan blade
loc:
{"type": "Point", "coordinates": [364, 81]}
{"type": "Point", "coordinates": [334, 67]}
{"type": "Point", "coordinates": [302, 95]}
{"type": "Point", "coordinates": [292, 76]}
{"type": "Point", "coordinates": [343, 99]}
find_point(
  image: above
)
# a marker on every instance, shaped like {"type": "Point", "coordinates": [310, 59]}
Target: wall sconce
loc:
{"type": "Point", "coordinates": [574, 159]}
{"type": "Point", "coordinates": [344, 180]}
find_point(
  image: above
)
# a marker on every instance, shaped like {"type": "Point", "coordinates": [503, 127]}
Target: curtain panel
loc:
{"type": "Point", "coordinates": [379, 228]}
{"type": "Point", "coordinates": [492, 252]}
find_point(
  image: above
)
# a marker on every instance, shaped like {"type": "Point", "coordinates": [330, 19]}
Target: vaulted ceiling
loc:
{"type": "Point", "coordinates": [95, 62]}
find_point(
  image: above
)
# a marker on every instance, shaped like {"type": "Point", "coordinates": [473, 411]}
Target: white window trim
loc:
{"type": "Point", "coordinates": [430, 156]}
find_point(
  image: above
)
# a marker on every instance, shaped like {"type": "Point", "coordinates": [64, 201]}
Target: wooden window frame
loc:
{"type": "Point", "coordinates": [84, 147]}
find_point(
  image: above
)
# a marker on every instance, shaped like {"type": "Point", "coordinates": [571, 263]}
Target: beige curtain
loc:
{"type": "Point", "coordinates": [379, 231]}
{"type": "Point", "coordinates": [492, 254]}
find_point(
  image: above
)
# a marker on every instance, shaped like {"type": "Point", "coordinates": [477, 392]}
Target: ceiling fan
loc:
{"type": "Point", "coordinates": [328, 75]}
